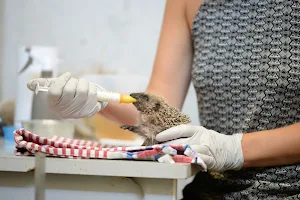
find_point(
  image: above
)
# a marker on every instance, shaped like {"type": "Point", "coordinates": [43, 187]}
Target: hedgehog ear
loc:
{"type": "Point", "coordinates": [156, 107]}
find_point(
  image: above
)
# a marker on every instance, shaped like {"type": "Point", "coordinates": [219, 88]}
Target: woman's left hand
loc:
{"type": "Point", "coordinates": [219, 152]}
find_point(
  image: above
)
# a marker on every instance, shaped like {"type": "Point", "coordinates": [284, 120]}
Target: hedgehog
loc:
{"type": "Point", "coordinates": [155, 116]}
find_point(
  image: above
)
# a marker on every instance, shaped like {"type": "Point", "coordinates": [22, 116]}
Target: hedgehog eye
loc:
{"type": "Point", "coordinates": [146, 97]}
{"type": "Point", "coordinates": [156, 106]}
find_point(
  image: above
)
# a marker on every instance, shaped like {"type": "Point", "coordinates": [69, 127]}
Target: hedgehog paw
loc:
{"type": "Point", "coordinates": [128, 127]}
{"type": "Point", "coordinates": [125, 127]}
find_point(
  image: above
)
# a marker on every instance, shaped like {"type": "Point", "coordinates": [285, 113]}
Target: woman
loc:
{"type": "Point", "coordinates": [243, 59]}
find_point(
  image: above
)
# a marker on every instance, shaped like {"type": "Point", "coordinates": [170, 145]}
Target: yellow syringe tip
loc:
{"type": "Point", "coordinates": [127, 99]}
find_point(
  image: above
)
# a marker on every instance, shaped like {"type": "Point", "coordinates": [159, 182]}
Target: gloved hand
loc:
{"type": "Point", "coordinates": [219, 152]}
{"type": "Point", "coordinates": [70, 98]}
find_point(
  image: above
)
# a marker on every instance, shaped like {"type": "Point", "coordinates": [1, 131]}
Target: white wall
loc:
{"type": "Point", "coordinates": [1, 41]}
{"type": "Point", "coordinates": [118, 34]}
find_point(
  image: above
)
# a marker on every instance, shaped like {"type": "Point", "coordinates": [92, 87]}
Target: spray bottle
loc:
{"type": "Point", "coordinates": [34, 62]}
{"type": "Point", "coordinates": [40, 109]}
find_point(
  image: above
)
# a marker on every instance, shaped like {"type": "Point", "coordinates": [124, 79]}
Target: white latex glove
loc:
{"type": "Point", "coordinates": [70, 98]}
{"type": "Point", "coordinates": [219, 152]}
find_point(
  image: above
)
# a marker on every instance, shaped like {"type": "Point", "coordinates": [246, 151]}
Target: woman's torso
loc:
{"type": "Point", "coordinates": [246, 76]}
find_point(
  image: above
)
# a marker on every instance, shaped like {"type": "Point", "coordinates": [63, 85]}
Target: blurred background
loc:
{"type": "Point", "coordinates": [94, 38]}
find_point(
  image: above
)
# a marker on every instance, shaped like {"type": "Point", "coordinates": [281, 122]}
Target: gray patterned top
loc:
{"type": "Point", "coordinates": [246, 76]}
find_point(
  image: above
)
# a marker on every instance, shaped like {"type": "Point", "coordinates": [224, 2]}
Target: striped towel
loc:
{"type": "Point", "coordinates": [28, 143]}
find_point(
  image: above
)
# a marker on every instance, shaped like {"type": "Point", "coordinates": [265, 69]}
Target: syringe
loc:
{"type": "Point", "coordinates": [103, 96]}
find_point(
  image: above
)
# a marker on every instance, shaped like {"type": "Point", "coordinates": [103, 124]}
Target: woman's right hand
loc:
{"type": "Point", "coordinates": [70, 98]}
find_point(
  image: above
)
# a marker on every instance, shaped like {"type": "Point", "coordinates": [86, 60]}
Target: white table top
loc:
{"type": "Point", "coordinates": [125, 168]}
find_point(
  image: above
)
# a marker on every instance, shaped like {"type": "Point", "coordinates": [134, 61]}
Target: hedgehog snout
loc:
{"type": "Point", "coordinates": [140, 96]}
{"type": "Point", "coordinates": [134, 95]}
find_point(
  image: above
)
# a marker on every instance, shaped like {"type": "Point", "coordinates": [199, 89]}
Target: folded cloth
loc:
{"type": "Point", "coordinates": [27, 143]}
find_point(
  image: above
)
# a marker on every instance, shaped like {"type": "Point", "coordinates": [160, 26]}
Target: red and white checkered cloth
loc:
{"type": "Point", "coordinates": [28, 143]}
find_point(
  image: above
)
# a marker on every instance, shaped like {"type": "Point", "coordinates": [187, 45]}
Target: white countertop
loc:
{"type": "Point", "coordinates": [125, 168]}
